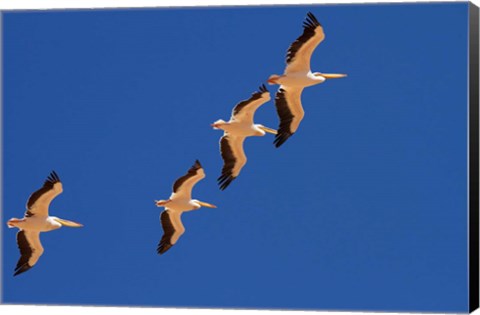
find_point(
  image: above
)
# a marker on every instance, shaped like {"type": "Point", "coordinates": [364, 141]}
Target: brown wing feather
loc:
{"type": "Point", "coordinates": [246, 109]}
{"type": "Point", "coordinates": [30, 250]}
{"type": "Point", "coordinates": [300, 51]}
{"type": "Point", "coordinates": [168, 231]}
{"type": "Point", "coordinates": [38, 201]}
{"type": "Point", "coordinates": [172, 230]}
{"type": "Point", "coordinates": [191, 172]}
{"type": "Point", "coordinates": [233, 159]}
{"type": "Point", "coordinates": [290, 113]}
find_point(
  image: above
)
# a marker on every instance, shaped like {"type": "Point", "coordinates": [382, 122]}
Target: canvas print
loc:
{"type": "Point", "coordinates": [316, 157]}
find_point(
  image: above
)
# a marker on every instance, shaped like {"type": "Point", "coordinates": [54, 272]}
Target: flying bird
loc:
{"type": "Point", "coordinates": [296, 77]}
{"type": "Point", "coordinates": [236, 130]}
{"type": "Point", "coordinates": [35, 221]}
{"type": "Point", "coordinates": [180, 201]}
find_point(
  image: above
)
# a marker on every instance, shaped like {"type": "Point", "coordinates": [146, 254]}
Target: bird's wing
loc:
{"type": "Point", "coordinates": [300, 51]}
{"type": "Point", "coordinates": [234, 159]}
{"type": "Point", "coordinates": [245, 110]}
{"type": "Point", "coordinates": [172, 230]}
{"type": "Point", "coordinates": [39, 201]}
{"type": "Point", "coordinates": [290, 112]}
{"type": "Point", "coordinates": [183, 185]}
{"type": "Point", "coordinates": [30, 250]}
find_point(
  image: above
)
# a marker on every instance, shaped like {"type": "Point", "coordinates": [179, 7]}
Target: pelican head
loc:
{"type": "Point", "coordinates": [203, 204]}
{"type": "Point", "coordinates": [329, 75]}
{"type": "Point", "coordinates": [68, 223]}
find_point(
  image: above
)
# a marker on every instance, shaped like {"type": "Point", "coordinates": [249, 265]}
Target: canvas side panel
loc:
{"type": "Point", "coordinates": [473, 149]}
{"type": "Point", "coordinates": [1, 157]}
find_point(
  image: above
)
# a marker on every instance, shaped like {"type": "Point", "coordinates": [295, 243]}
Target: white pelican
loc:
{"type": "Point", "coordinates": [37, 220]}
{"type": "Point", "coordinates": [180, 201]}
{"type": "Point", "coordinates": [236, 130]}
{"type": "Point", "coordinates": [296, 77]}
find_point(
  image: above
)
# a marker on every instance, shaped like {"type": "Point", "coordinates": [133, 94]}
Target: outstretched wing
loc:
{"type": "Point", "coordinates": [39, 201]}
{"type": "Point", "coordinates": [30, 250]}
{"type": "Point", "coordinates": [233, 157]}
{"type": "Point", "coordinates": [300, 51]}
{"type": "Point", "coordinates": [290, 112]}
{"type": "Point", "coordinates": [245, 110]}
{"type": "Point", "coordinates": [172, 230]}
{"type": "Point", "coordinates": [183, 186]}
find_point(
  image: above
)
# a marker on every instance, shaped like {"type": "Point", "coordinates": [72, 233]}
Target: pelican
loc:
{"type": "Point", "coordinates": [37, 220]}
{"type": "Point", "coordinates": [180, 201]}
{"type": "Point", "coordinates": [296, 77]}
{"type": "Point", "coordinates": [236, 130]}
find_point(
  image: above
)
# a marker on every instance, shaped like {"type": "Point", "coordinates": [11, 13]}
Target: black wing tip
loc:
{"type": "Point", "coordinates": [257, 94]}
{"type": "Point", "coordinates": [311, 21]}
{"type": "Point", "coordinates": [224, 186]}
{"type": "Point", "coordinates": [163, 248]}
{"type": "Point", "coordinates": [21, 269]}
{"type": "Point", "coordinates": [281, 138]}
{"type": "Point", "coordinates": [225, 180]}
{"type": "Point", "coordinates": [311, 16]}
{"type": "Point", "coordinates": [195, 167]}
{"type": "Point", "coordinates": [263, 89]}
{"type": "Point", "coordinates": [197, 164]}
{"type": "Point", "coordinates": [53, 177]}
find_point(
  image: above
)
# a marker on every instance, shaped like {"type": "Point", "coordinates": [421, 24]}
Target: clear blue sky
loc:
{"type": "Point", "coordinates": [364, 208]}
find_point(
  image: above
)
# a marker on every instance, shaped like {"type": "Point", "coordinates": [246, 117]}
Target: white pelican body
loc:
{"type": "Point", "coordinates": [37, 224]}
{"type": "Point", "coordinates": [37, 220]}
{"type": "Point", "coordinates": [296, 77]}
{"type": "Point", "coordinates": [239, 127]}
{"type": "Point", "coordinates": [180, 201]}
{"type": "Point", "coordinates": [300, 79]}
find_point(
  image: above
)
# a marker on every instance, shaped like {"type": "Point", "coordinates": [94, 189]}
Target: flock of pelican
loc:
{"type": "Point", "coordinates": [296, 77]}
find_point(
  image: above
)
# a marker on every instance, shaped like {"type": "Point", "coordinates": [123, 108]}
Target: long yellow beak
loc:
{"type": "Point", "coordinates": [206, 204]}
{"type": "Point", "coordinates": [269, 130]}
{"type": "Point", "coordinates": [333, 75]}
{"type": "Point", "coordinates": [68, 223]}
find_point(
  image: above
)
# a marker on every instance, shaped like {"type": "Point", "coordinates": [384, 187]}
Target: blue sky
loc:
{"type": "Point", "coordinates": [364, 208]}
